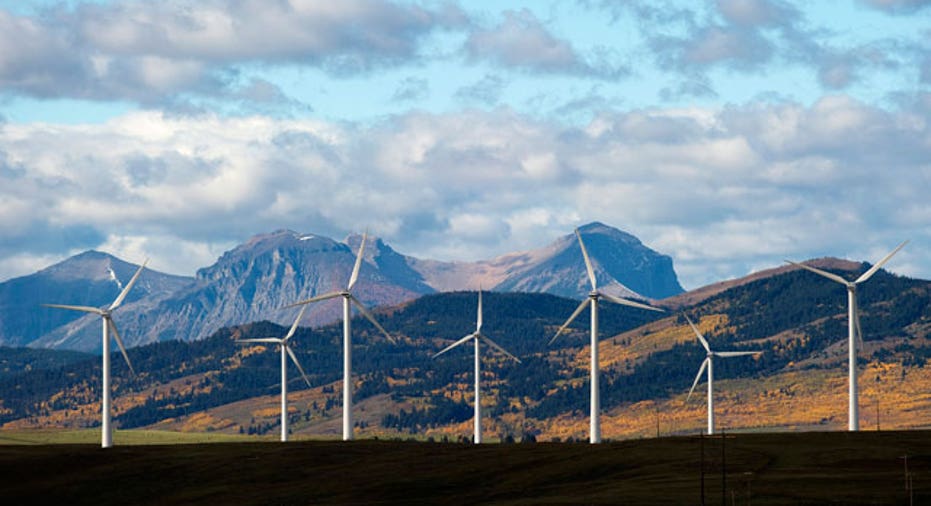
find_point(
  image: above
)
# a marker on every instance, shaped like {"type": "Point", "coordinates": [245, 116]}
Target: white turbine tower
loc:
{"type": "Point", "coordinates": [348, 299]}
{"type": "Point", "coordinates": [709, 363]}
{"type": "Point", "coordinates": [593, 296]}
{"type": "Point", "coordinates": [476, 337]}
{"type": "Point", "coordinates": [106, 317]}
{"type": "Point", "coordinates": [285, 346]}
{"type": "Point", "coordinates": [853, 330]}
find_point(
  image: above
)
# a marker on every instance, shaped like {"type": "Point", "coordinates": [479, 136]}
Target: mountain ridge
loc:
{"type": "Point", "coordinates": [267, 272]}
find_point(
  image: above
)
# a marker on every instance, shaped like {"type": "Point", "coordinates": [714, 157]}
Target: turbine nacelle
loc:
{"type": "Point", "coordinates": [595, 295]}
{"type": "Point", "coordinates": [348, 296]}
{"type": "Point", "coordinates": [851, 285]}
{"type": "Point", "coordinates": [709, 356]}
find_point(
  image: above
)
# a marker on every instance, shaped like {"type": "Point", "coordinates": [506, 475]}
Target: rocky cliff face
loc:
{"type": "Point", "coordinates": [258, 278]}
{"type": "Point", "coordinates": [253, 282]}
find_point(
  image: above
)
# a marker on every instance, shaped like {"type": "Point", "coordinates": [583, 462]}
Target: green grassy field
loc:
{"type": "Point", "coordinates": [761, 469]}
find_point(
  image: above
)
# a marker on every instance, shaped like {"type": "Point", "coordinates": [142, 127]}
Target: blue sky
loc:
{"type": "Point", "coordinates": [728, 134]}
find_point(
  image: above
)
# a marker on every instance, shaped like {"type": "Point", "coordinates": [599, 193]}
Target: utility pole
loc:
{"type": "Point", "coordinates": [656, 411]}
{"type": "Point", "coordinates": [908, 482]}
{"type": "Point", "coordinates": [877, 414]}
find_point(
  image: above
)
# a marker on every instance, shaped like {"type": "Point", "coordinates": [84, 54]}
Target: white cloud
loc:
{"type": "Point", "coordinates": [721, 190]}
{"type": "Point", "coordinates": [154, 52]}
{"type": "Point", "coordinates": [756, 12]}
{"type": "Point", "coordinates": [522, 41]}
{"type": "Point", "coordinates": [487, 90]}
{"type": "Point", "coordinates": [898, 6]}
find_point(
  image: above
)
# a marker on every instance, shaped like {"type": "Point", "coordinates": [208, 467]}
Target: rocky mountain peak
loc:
{"type": "Point", "coordinates": [623, 266]}
{"type": "Point", "coordinates": [259, 278]}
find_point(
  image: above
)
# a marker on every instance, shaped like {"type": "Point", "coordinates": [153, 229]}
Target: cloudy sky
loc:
{"type": "Point", "coordinates": [729, 134]}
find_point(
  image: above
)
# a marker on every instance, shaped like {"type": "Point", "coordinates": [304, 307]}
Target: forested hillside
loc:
{"type": "Point", "coordinates": [16, 361]}
{"type": "Point", "coordinates": [797, 319]}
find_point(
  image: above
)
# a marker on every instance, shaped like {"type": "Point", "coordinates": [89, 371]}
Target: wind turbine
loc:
{"type": "Point", "coordinates": [593, 296]}
{"type": "Point", "coordinates": [709, 363]}
{"type": "Point", "coordinates": [106, 318]}
{"type": "Point", "coordinates": [282, 342]}
{"type": "Point", "coordinates": [348, 299]}
{"type": "Point", "coordinates": [853, 330]}
{"type": "Point", "coordinates": [476, 337]}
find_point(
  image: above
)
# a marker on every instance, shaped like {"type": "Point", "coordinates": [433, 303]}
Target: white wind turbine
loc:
{"type": "Point", "coordinates": [348, 299]}
{"type": "Point", "coordinates": [853, 330]}
{"type": "Point", "coordinates": [593, 296]}
{"type": "Point", "coordinates": [709, 363]}
{"type": "Point", "coordinates": [106, 317]}
{"type": "Point", "coordinates": [476, 337]}
{"type": "Point", "coordinates": [285, 346]}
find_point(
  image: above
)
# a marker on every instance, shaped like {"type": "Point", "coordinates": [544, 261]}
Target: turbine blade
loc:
{"type": "Point", "coordinates": [296, 321]}
{"type": "Point", "coordinates": [119, 298]}
{"type": "Point", "coordinates": [119, 342]}
{"type": "Point", "coordinates": [316, 298]}
{"type": "Point", "coordinates": [86, 309]}
{"type": "Point", "coordinates": [571, 318]}
{"type": "Point", "coordinates": [457, 343]}
{"type": "Point", "coordinates": [298, 364]}
{"type": "Point", "coordinates": [829, 275]}
{"type": "Point", "coordinates": [866, 275]}
{"type": "Point", "coordinates": [726, 354]}
{"type": "Point", "coordinates": [275, 340]}
{"type": "Point", "coordinates": [588, 262]}
{"type": "Point", "coordinates": [358, 265]}
{"type": "Point", "coordinates": [365, 312]}
{"type": "Point", "coordinates": [627, 302]}
{"type": "Point", "coordinates": [499, 348]}
{"type": "Point", "coordinates": [698, 334]}
{"type": "Point", "coordinates": [478, 321]}
{"type": "Point", "coordinates": [697, 378]}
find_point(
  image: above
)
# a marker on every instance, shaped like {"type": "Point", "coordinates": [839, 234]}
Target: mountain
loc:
{"type": "Point", "coordinates": [255, 280]}
{"type": "Point", "coordinates": [648, 361]}
{"type": "Point", "coordinates": [252, 282]}
{"type": "Point", "coordinates": [91, 278]}
{"type": "Point", "coordinates": [623, 267]}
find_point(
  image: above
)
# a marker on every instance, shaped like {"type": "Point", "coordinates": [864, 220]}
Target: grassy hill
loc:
{"type": "Point", "coordinates": [760, 469]}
